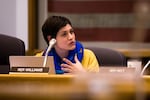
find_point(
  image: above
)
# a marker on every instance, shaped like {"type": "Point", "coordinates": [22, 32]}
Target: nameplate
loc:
{"type": "Point", "coordinates": [30, 69]}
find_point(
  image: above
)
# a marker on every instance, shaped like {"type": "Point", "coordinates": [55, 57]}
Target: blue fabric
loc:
{"type": "Point", "coordinates": [58, 61]}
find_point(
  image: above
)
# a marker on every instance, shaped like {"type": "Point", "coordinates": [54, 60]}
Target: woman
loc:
{"type": "Point", "coordinates": [69, 54]}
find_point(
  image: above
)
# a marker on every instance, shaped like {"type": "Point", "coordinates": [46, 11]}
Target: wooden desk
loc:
{"type": "Point", "coordinates": [66, 87]}
{"type": "Point", "coordinates": [141, 53]}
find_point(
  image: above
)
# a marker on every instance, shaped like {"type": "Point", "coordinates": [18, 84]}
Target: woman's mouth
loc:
{"type": "Point", "coordinates": [72, 43]}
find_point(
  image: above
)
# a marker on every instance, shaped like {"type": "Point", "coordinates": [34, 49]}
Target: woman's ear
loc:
{"type": "Point", "coordinates": [48, 37]}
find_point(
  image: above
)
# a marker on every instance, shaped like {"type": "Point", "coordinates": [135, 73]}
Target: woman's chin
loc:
{"type": "Point", "coordinates": [72, 48]}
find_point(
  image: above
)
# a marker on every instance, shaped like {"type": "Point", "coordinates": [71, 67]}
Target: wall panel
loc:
{"type": "Point", "coordinates": [99, 20]}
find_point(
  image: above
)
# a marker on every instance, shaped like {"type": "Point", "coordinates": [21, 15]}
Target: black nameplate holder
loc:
{"type": "Point", "coordinates": [30, 69]}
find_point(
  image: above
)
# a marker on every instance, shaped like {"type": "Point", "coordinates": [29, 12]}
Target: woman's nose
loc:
{"type": "Point", "coordinates": [70, 36]}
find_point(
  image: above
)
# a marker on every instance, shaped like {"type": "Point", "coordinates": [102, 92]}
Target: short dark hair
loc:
{"type": "Point", "coordinates": [52, 25]}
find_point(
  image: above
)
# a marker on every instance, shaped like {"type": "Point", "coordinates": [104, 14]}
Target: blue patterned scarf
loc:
{"type": "Point", "coordinates": [58, 61]}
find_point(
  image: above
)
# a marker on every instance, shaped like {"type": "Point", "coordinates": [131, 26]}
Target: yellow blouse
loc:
{"type": "Point", "coordinates": [89, 61]}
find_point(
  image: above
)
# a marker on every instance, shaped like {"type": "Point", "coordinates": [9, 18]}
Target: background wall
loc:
{"type": "Point", "coordinates": [42, 15]}
{"type": "Point", "coordinates": [14, 19]}
{"type": "Point", "coordinates": [103, 23]}
{"type": "Point", "coordinates": [95, 23]}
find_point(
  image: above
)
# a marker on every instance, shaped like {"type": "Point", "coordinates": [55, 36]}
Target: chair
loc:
{"type": "Point", "coordinates": [108, 57]}
{"type": "Point", "coordinates": [9, 46]}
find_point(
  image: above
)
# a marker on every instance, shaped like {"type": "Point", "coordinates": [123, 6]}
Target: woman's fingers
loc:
{"type": "Point", "coordinates": [72, 67]}
{"type": "Point", "coordinates": [67, 61]}
{"type": "Point", "coordinates": [76, 59]}
{"type": "Point", "coordinates": [66, 68]}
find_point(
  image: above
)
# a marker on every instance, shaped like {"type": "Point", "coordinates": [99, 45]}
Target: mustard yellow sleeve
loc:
{"type": "Point", "coordinates": [39, 54]}
{"type": "Point", "coordinates": [89, 61]}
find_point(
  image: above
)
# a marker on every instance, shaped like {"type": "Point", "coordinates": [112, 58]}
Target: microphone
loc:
{"type": "Point", "coordinates": [145, 67]}
{"type": "Point", "coordinates": [51, 44]}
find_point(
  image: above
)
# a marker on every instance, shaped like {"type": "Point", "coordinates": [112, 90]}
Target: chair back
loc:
{"type": "Point", "coordinates": [108, 57]}
{"type": "Point", "coordinates": [9, 46]}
